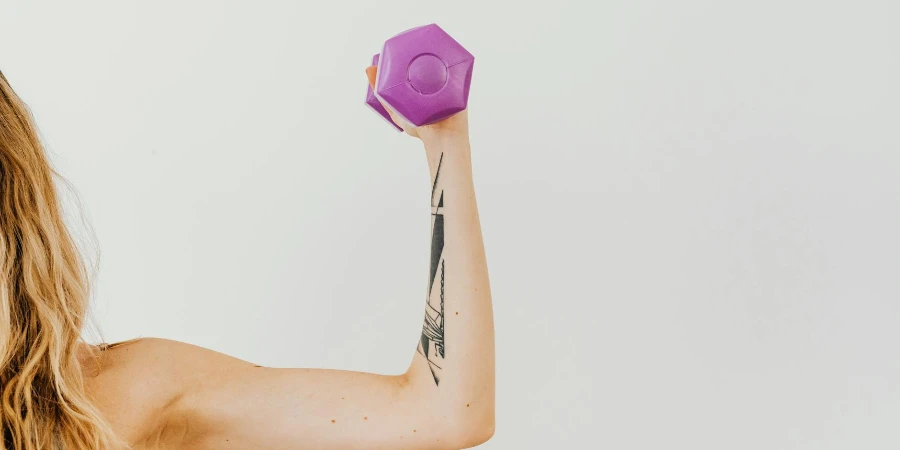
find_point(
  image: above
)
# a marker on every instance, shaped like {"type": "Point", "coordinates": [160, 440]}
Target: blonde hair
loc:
{"type": "Point", "coordinates": [44, 296]}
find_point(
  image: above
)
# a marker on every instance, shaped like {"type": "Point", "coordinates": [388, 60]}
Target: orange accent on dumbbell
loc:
{"type": "Point", "coordinates": [371, 71]}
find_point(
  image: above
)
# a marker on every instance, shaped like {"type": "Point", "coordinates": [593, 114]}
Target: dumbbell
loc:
{"type": "Point", "coordinates": [423, 76]}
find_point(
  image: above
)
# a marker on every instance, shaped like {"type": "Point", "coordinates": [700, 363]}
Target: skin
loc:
{"type": "Point", "coordinates": [162, 394]}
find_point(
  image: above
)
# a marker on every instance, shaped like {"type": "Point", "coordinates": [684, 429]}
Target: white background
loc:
{"type": "Point", "coordinates": [691, 209]}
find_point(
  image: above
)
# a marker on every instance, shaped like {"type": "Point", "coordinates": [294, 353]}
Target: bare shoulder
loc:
{"type": "Point", "coordinates": [149, 354]}
{"type": "Point", "coordinates": [138, 384]}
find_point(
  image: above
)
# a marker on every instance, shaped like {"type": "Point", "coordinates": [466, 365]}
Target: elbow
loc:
{"type": "Point", "coordinates": [478, 435]}
{"type": "Point", "coordinates": [474, 431]}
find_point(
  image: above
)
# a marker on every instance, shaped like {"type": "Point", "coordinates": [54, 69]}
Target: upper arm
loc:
{"type": "Point", "coordinates": [256, 407]}
{"type": "Point", "coordinates": [225, 403]}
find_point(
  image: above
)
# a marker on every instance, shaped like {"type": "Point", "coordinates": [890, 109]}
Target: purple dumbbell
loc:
{"type": "Point", "coordinates": [423, 75]}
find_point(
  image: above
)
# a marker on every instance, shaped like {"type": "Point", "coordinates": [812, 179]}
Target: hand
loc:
{"type": "Point", "coordinates": [455, 126]}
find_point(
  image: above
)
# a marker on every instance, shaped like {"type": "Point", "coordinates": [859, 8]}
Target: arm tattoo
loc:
{"type": "Point", "coordinates": [431, 345]}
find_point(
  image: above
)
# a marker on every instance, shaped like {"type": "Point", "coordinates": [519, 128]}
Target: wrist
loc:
{"type": "Point", "coordinates": [451, 131]}
{"type": "Point", "coordinates": [435, 139]}
{"type": "Point", "coordinates": [445, 145]}
{"type": "Point", "coordinates": [445, 140]}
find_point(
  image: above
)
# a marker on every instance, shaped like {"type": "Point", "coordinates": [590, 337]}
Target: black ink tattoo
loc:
{"type": "Point", "coordinates": [431, 345]}
{"type": "Point", "coordinates": [437, 175]}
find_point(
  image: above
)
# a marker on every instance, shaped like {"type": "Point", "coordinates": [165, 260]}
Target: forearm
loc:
{"type": "Point", "coordinates": [455, 358]}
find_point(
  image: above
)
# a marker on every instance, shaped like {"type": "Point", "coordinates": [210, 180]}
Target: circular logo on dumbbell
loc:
{"type": "Point", "coordinates": [427, 74]}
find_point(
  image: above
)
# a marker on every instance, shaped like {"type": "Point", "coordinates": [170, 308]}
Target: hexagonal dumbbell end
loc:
{"type": "Point", "coordinates": [376, 106]}
{"type": "Point", "coordinates": [424, 75]}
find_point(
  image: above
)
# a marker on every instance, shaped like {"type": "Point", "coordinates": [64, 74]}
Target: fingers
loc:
{"type": "Point", "coordinates": [371, 73]}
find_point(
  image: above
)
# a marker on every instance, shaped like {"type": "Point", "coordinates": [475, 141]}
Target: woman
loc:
{"type": "Point", "coordinates": [58, 392]}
